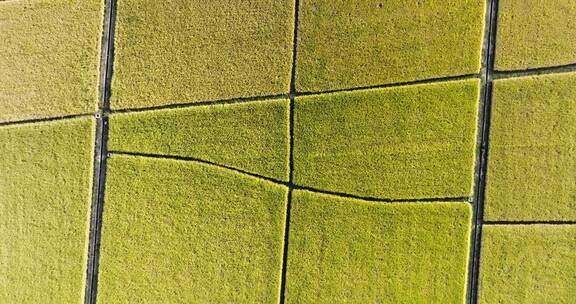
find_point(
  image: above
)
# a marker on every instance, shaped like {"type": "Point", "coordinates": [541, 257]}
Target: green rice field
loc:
{"type": "Point", "coordinates": [287, 151]}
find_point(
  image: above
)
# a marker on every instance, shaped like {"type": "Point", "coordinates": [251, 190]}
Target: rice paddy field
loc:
{"type": "Point", "coordinates": [287, 151]}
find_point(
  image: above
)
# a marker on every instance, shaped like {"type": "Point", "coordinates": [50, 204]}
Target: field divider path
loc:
{"type": "Point", "coordinates": [46, 119]}
{"type": "Point", "coordinates": [483, 137]}
{"type": "Point", "coordinates": [112, 153]}
{"type": "Point", "coordinates": [205, 103]}
{"type": "Point", "coordinates": [291, 95]}
{"type": "Point", "coordinates": [100, 153]}
{"type": "Point", "coordinates": [282, 287]}
{"type": "Point", "coordinates": [529, 223]}
{"type": "Point", "coordinates": [535, 71]}
{"type": "Point", "coordinates": [238, 100]}
{"type": "Point", "coordinates": [395, 84]}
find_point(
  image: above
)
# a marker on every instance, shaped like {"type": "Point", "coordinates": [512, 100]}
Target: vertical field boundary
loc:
{"type": "Point", "coordinates": [100, 153]}
{"type": "Point", "coordinates": [282, 296]}
{"type": "Point", "coordinates": [483, 137]}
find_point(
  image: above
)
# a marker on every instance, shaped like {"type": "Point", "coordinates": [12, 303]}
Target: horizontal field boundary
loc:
{"type": "Point", "coordinates": [559, 69]}
{"type": "Point", "coordinates": [531, 222]}
{"type": "Point", "coordinates": [204, 103]}
{"type": "Point", "coordinates": [112, 153]}
{"type": "Point", "coordinates": [290, 184]}
{"type": "Point", "coordinates": [291, 95]}
{"type": "Point", "coordinates": [49, 119]}
{"type": "Point", "coordinates": [503, 74]}
{"type": "Point", "coordinates": [236, 100]}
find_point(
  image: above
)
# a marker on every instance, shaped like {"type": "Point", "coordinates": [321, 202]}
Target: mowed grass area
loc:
{"type": "Point", "coordinates": [347, 43]}
{"type": "Point", "coordinates": [185, 232]}
{"type": "Point", "coordinates": [50, 55]}
{"type": "Point", "coordinates": [532, 155]}
{"type": "Point", "coordinates": [398, 143]}
{"type": "Point", "coordinates": [351, 251]}
{"type": "Point", "coordinates": [250, 136]}
{"type": "Point", "coordinates": [45, 195]}
{"type": "Point", "coordinates": [535, 33]}
{"type": "Point", "coordinates": [528, 264]}
{"type": "Point", "coordinates": [180, 51]}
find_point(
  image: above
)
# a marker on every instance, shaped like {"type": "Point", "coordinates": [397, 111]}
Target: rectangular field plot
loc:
{"type": "Point", "coordinates": [185, 232]}
{"type": "Point", "coordinates": [45, 195]}
{"type": "Point", "coordinates": [249, 136]}
{"type": "Point", "coordinates": [348, 43]}
{"type": "Point", "coordinates": [49, 57]}
{"type": "Point", "coordinates": [528, 264]}
{"type": "Point", "coordinates": [532, 156]}
{"type": "Point", "coordinates": [535, 33]}
{"type": "Point", "coordinates": [351, 251]}
{"type": "Point", "coordinates": [179, 51]}
{"type": "Point", "coordinates": [398, 143]}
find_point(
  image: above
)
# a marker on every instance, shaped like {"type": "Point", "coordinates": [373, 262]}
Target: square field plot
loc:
{"type": "Point", "coordinates": [398, 143]}
{"type": "Point", "coordinates": [250, 136]}
{"type": "Point", "coordinates": [45, 196]}
{"type": "Point", "coordinates": [535, 33]}
{"type": "Point", "coordinates": [528, 264]}
{"type": "Point", "coordinates": [185, 232]}
{"type": "Point", "coordinates": [347, 43]}
{"type": "Point", "coordinates": [532, 155]}
{"type": "Point", "coordinates": [351, 251]}
{"type": "Point", "coordinates": [180, 51]}
{"type": "Point", "coordinates": [49, 57]}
